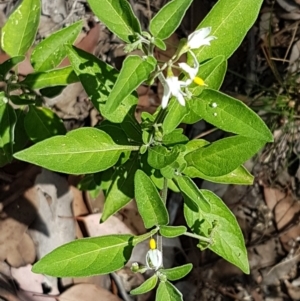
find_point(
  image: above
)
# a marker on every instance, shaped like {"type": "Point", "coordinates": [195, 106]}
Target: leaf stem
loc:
{"type": "Point", "coordinates": [203, 238]}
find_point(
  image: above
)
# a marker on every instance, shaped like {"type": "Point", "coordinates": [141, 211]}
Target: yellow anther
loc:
{"type": "Point", "coordinates": [152, 244]}
{"type": "Point", "coordinates": [199, 81]}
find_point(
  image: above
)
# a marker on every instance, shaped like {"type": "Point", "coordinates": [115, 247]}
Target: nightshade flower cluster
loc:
{"type": "Point", "coordinates": [171, 84]}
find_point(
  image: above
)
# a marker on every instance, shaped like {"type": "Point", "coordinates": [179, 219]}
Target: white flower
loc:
{"type": "Point", "coordinates": [172, 86]}
{"type": "Point", "coordinates": [191, 71]}
{"type": "Point", "coordinates": [153, 259]}
{"type": "Point", "coordinates": [200, 37]}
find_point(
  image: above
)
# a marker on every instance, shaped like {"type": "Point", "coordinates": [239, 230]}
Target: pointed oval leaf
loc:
{"type": "Point", "coordinates": [230, 21]}
{"type": "Point", "coordinates": [189, 188]}
{"type": "Point", "coordinates": [6, 66]}
{"type": "Point", "coordinates": [172, 231]}
{"type": "Point", "coordinates": [51, 51]}
{"type": "Point", "coordinates": [166, 21]}
{"type": "Point", "coordinates": [57, 77]}
{"type": "Point", "coordinates": [231, 115]}
{"type": "Point", "coordinates": [166, 291]}
{"type": "Point", "coordinates": [224, 156]}
{"type": "Point", "coordinates": [135, 70]}
{"type": "Point", "coordinates": [7, 124]}
{"type": "Point", "coordinates": [42, 123]}
{"type": "Point", "coordinates": [82, 151]}
{"type": "Point", "coordinates": [149, 203]}
{"type": "Point", "coordinates": [18, 34]}
{"type": "Point", "coordinates": [176, 273]}
{"type": "Point", "coordinates": [228, 241]}
{"type": "Point", "coordinates": [239, 176]}
{"type": "Point", "coordinates": [159, 157]}
{"type": "Point", "coordinates": [87, 257]}
{"type": "Point", "coordinates": [121, 191]}
{"type": "Point", "coordinates": [118, 16]}
{"type": "Point", "coordinates": [146, 286]}
{"type": "Point", "coordinates": [98, 78]}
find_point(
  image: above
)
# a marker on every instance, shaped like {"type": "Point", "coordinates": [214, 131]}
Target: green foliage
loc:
{"type": "Point", "coordinates": [118, 16]}
{"type": "Point", "coordinates": [89, 256]}
{"type": "Point", "coordinates": [230, 21]}
{"type": "Point", "coordinates": [176, 273]}
{"type": "Point", "coordinates": [7, 124]}
{"type": "Point", "coordinates": [51, 51]}
{"type": "Point", "coordinates": [166, 21]}
{"type": "Point", "coordinates": [129, 159]}
{"type": "Point", "coordinates": [224, 156]}
{"type": "Point", "coordinates": [98, 152]}
{"type": "Point", "coordinates": [135, 71]}
{"type": "Point", "coordinates": [52, 78]}
{"type": "Point", "coordinates": [167, 292]}
{"type": "Point", "coordinates": [18, 33]}
{"type": "Point", "coordinates": [42, 123]}
{"type": "Point", "coordinates": [220, 224]}
{"type": "Point", "coordinates": [149, 202]}
{"type": "Point", "coordinates": [172, 231]}
{"type": "Point", "coordinates": [146, 286]}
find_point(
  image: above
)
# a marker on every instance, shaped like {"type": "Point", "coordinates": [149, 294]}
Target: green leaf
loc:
{"type": "Point", "coordinates": [159, 157]}
{"type": "Point", "coordinates": [131, 126]}
{"type": "Point", "coordinates": [135, 70]}
{"type": "Point", "coordinates": [149, 203]}
{"type": "Point", "coordinates": [190, 190]}
{"type": "Point", "coordinates": [42, 123]}
{"type": "Point", "coordinates": [231, 115]}
{"type": "Point", "coordinates": [212, 72]}
{"type": "Point", "coordinates": [239, 176]}
{"type": "Point", "coordinates": [98, 79]}
{"type": "Point", "coordinates": [174, 116]}
{"type": "Point", "coordinates": [224, 156]}
{"type": "Point", "coordinates": [88, 183]}
{"type": "Point", "coordinates": [18, 33]}
{"type": "Point", "coordinates": [160, 44]}
{"type": "Point", "coordinates": [118, 17]}
{"type": "Point", "coordinates": [146, 286]}
{"type": "Point", "coordinates": [57, 77]}
{"type": "Point", "coordinates": [172, 231]}
{"type": "Point", "coordinates": [228, 241]}
{"type": "Point", "coordinates": [176, 273]}
{"type": "Point", "coordinates": [51, 51]}
{"type": "Point", "coordinates": [6, 66]}
{"type": "Point", "coordinates": [168, 292]}
{"type": "Point", "coordinates": [21, 138]}
{"type": "Point", "coordinates": [52, 91]}
{"type": "Point", "coordinates": [7, 125]}
{"type": "Point", "coordinates": [21, 100]}
{"type": "Point", "coordinates": [230, 21]}
{"type": "Point", "coordinates": [87, 257]}
{"type": "Point", "coordinates": [175, 137]}
{"type": "Point", "coordinates": [82, 151]}
{"type": "Point", "coordinates": [114, 130]}
{"type": "Point", "coordinates": [121, 191]}
{"type": "Point", "coordinates": [166, 21]}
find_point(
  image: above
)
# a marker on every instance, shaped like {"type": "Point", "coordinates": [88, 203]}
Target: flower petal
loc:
{"type": "Point", "coordinates": [200, 37]}
{"type": "Point", "coordinates": [192, 72]}
{"type": "Point", "coordinates": [154, 259]}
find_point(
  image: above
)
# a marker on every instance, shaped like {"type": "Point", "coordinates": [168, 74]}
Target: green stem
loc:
{"type": "Point", "coordinates": [164, 195]}
{"type": "Point", "coordinates": [203, 238]}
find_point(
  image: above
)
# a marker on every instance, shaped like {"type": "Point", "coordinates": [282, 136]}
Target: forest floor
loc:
{"type": "Point", "coordinates": [264, 74]}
